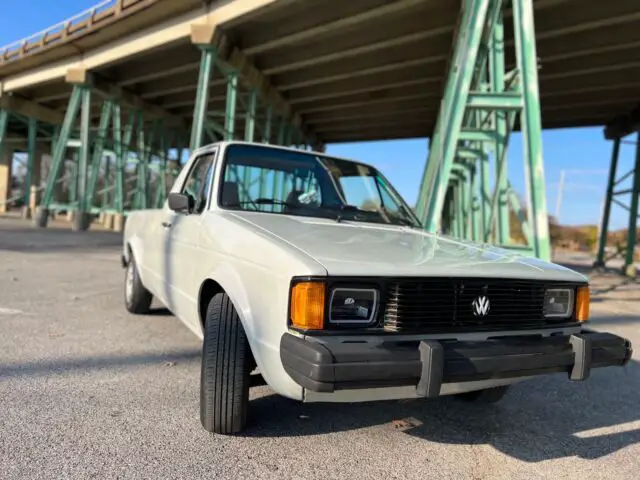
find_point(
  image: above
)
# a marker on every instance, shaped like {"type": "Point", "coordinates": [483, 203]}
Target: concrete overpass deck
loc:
{"type": "Point", "coordinates": [354, 71]}
{"type": "Point", "coordinates": [464, 72]}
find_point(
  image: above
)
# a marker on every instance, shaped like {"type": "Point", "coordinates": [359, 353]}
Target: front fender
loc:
{"type": "Point", "coordinates": [134, 247]}
{"type": "Point", "coordinates": [261, 300]}
{"type": "Point", "coordinates": [229, 279]}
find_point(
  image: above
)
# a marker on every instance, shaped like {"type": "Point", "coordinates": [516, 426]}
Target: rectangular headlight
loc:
{"type": "Point", "coordinates": [355, 306]}
{"type": "Point", "coordinates": [558, 303]}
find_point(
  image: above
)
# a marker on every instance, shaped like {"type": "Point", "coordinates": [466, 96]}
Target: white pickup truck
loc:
{"type": "Point", "coordinates": [314, 271]}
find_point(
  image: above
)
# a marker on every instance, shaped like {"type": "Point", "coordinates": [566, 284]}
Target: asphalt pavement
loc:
{"type": "Point", "coordinates": [90, 391]}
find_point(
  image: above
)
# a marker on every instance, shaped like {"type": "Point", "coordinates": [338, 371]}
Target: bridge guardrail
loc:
{"type": "Point", "coordinates": [75, 26]}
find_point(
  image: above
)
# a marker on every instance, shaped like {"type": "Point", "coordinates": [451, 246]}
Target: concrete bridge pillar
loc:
{"type": "Point", "coordinates": [6, 164]}
{"type": "Point", "coordinates": [35, 179]}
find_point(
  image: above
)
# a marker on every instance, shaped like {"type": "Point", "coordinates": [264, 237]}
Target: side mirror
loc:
{"type": "Point", "coordinates": [181, 202]}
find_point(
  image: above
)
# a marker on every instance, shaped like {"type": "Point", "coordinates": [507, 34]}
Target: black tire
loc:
{"type": "Point", "coordinates": [137, 298]}
{"type": "Point", "coordinates": [41, 217]}
{"type": "Point", "coordinates": [225, 369]}
{"type": "Point", "coordinates": [488, 395]}
{"type": "Point", "coordinates": [82, 221]}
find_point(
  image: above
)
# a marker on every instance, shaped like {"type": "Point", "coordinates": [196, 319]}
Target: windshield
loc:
{"type": "Point", "coordinates": [296, 183]}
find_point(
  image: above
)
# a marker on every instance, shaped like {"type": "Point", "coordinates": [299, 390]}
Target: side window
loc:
{"type": "Point", "coordinates": [198, 182]}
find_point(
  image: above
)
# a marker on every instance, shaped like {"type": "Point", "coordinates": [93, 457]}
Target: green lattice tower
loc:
{"type": "Point", "coordinates": [625, 197]}
{"type": "Point", "coordinates": [482, 102]}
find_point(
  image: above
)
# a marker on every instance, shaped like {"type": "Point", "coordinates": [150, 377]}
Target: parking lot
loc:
{"type": "Point", "coordinates": [88, 390]}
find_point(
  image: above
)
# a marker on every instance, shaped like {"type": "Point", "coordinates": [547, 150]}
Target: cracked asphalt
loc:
{"type": "Point", "coordinates": [89, 391]}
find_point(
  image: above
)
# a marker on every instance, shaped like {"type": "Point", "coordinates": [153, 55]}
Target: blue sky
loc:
{"type": "Point", "coordinates": [582, 153]}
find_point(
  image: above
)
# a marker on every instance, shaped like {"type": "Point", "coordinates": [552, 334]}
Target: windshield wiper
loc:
{"type": "Point", "coordinates": [274, 201]}
{"type": "Point", "coordinates": [261, 201]}
{"type": "Point", "coordinates": [270, 201]}
{"type": "Point", "coordinates": [340, 209]}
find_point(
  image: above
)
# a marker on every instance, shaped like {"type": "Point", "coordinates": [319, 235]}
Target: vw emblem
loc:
{"type": "Point", "coordinates": [480, 306]}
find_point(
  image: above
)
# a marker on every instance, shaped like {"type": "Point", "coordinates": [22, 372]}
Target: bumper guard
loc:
{"type": "Point", "coordinates": [428, 364]}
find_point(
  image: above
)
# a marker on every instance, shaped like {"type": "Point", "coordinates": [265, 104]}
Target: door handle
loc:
{"type": "Point", "coordinates": [166, 224]}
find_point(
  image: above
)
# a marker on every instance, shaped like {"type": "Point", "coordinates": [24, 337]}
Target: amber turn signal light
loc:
{"type": "Point", "coordinates": [307, 305]}
{"type": "Point", "coordinates": [582, 304]}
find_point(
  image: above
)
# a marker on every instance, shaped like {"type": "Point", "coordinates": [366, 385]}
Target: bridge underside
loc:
{"type": "Point", "coordinates": [314, 73]}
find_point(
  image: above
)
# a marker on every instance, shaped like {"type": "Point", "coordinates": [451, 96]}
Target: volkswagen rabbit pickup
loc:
{"type": "Point", "coordinates": [313, 271]}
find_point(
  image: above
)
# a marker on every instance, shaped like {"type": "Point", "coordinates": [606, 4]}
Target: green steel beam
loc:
{"type": "Point", "coordinates": [108, 191]}
{"type": "Point", "coordinates": [632, 209]}
{"type": "Point", "coordinates": [230, 113]}
{"type": "Point", "coordinates": [473, 135]}
{"type": "Point", "coordinates": [629, 268]}
{"type": "Point", "coordinates": [250, 121]}
{"type": "Point", "coordinates": [98, 142]}
{"type": "Point", "coordinates": [531, 125]}
{"type": "Point", "coordinates": [494, 101]}
{"type": "Point", "coordinates": [59, 148]}
{"type": "Point", "coordinates": [485, 225]}
{"type": "Point", "coordinates": [4, 122]}
{"type": "Point", "coordinates": [118, 147]}
{"type": "Point", "coordinates": [606, 212]}
{"type": "Point", "coordinates": [499, 202]}
{"type": "Point", "coordinates": [214, 128]}
{"type": "Point", "coordinates": [474, 204]}
{"type": "Point", "coordinates": [82, 214]}
{"type": "Point", "coordinates": [497, 66]}
{"type": "Point", "coordinates": [161, 189]}
{"type": "Point", "coordinates": [73, 185]}
{"type": "Point", "coordinates": [207, 61]}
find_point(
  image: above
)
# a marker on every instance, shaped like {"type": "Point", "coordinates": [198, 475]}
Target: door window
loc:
{"type": "Point", "coordinates": [198, 182]}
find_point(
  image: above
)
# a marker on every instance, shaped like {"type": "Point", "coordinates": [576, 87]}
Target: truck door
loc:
{"type": "Point", "coordinates": [181, 241]}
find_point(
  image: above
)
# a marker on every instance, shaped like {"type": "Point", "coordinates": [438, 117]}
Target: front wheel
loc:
{"type": "Point", "coordinates": [225, 369]}
{"type": "Point", "coordinates": [137, 298]}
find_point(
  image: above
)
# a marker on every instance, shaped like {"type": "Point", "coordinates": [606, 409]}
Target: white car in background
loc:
{"type": "Point", "coordinates": [314, 270]}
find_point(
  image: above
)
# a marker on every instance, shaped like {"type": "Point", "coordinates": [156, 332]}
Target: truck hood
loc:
{"type": "Point", "coordinates": [365, 249]}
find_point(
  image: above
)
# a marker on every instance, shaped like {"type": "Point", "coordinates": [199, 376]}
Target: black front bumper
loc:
{"type": "Point", "coordinates": [428, 364]}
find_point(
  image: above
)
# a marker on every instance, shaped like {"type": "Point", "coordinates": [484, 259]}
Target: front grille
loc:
{"type": "Point", "coordinates": [439, 305]}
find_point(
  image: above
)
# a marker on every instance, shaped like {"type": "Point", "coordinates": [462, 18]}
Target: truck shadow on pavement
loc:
{"type": "Point", "coordinates": [31, 240]}
{"type": "Point", "coordinates": [540, 419]}
{"type": "Point", "coordinates": [85, 364]}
